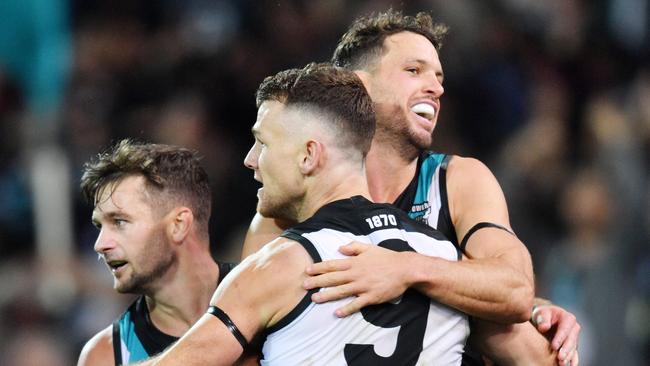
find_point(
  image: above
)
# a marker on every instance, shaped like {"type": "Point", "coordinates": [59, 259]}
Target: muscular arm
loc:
{"type": "Point", "coordinates": [98, 350]}
{"type": "Point", "coordinates": [497, 279]}
{"type": "Point", "coordinates": [256, 295]}
{"type": "Point", "coordinates": [494, 283]}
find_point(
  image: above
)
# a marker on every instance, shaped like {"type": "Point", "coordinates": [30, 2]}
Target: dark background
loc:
{"type": "Point", "coordinates": [553, 96]}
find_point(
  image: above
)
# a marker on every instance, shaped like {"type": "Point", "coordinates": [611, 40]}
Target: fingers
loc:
{"type": "Point", "coordinates": [351, 307]}
{"type": "Point", "coordinates": [567, 331]}
{"type": "Point", "coordinates": [569, 347]}
{"type": "Point", "coordinates": [328, 266]}
{"type": "Point", "coordinates": [334, 293]}
{"type": "Point", "coordinates": [334, 279]}
{"type": "Point", "coordinates": [541, 318]}
{"type": "Point", "coordinates": [575, 360]}
{"type": "Point", "coordinates": [354, 248]}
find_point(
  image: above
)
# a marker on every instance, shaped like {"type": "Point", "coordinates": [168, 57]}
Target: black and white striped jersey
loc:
{"type": "Point", "coordinates": [410, 330]}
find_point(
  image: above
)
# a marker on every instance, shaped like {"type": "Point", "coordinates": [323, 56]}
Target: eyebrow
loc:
{"type": "Point", "coordinates": [426, 63]}
{"type": "Point", "coordinates": [109, 215]}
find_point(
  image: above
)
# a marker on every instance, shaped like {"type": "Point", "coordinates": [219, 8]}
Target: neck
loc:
{"type": "Point", "coordinates": [182, 299]}
{"type": "Point", "coordinates": [388, 172]}
{"type": "Point", "coordinates": [350, 182]}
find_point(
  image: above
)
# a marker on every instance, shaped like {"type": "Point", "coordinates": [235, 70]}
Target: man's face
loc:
{"type": "Point", "coordinates": [131, 240]}
{"type": "Point", "coordinates": [274, 159]}
{"type": "Point", "coordinates": [405, 84]}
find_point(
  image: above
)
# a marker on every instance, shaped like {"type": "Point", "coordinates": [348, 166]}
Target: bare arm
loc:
{"type": "Point", "coordinates": [98, 350]}
{"type": "Point", "coordinates": [494, 283]}
{"type": "Point", "coordinates": [510, 345]}
{"type": "Point", "coordinates": [256, 295]}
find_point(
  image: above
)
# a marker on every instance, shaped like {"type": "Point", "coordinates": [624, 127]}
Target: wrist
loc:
{"type": "Point", "coordinates": [420, 270]}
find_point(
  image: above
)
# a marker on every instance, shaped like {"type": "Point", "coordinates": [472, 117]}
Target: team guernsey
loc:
{"type": "Point", "coordinates": [136, 338]}
{"type": "Point", "coordinates": [410, 330]}
{"type": "Point", "coordinates": [425, 200]}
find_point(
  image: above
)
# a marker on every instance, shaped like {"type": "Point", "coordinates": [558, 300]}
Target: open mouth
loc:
{"type": "Point", "coordinates": [116, 264]}
{"type": "Point", "coordinates": [424, 110]}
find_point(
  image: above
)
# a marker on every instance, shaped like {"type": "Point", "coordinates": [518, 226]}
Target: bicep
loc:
{"type": "Point", "coordinates": [261, 231]}
{"type": "Point", "coordinates": [475, 196]}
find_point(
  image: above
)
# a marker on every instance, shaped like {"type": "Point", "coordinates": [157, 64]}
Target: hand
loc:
{"type": "Point", "coordinates": [561, 328]}
{"type": "Point", "coordinates": [373, 274]}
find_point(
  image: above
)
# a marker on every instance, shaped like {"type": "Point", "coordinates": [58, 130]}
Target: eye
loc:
{"type": "Point", "coordinates": [119, 222]}
{"type": "Point", "coordinates": [413, 70]}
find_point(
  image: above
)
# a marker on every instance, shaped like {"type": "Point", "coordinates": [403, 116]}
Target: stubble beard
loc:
{"type": "Point", "coordinates": [393, 129]}
{"type": "Point", "coordinates": [157, 258]}
{"type": "Point", "coordinates": [279, 208]}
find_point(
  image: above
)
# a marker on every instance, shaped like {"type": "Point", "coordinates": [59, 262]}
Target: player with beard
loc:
{"type": "Point", "coordinates": [151, 206]}
{"type": "Point", "coordinates": [397, 58]}
{"type": "Point", "coordinates": [313, 130]}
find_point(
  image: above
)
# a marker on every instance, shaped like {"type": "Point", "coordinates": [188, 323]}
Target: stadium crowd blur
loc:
{"type": "Point", "coordinates": [554, 96]}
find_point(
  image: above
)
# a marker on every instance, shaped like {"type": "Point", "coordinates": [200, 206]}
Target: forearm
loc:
{"type": "Point", "coordinates": [206, 343]}
{"type": "Point", "coordinates": [511, 345]}
{"type": "Point", "coordinates": [489, 288]}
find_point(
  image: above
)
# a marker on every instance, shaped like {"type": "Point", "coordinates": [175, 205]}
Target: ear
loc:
{"type": "Point", "coordinates": [181, 223]}
{"type": "Point", "coordinates": [313, 154]}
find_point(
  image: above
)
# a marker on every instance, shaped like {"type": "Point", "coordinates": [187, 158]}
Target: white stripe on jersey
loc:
{"type": "Point", "coordinates": [318, 337]}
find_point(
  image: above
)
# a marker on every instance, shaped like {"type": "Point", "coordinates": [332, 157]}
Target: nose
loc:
{"type": "Point", "coordinates": [434, 87]}
{"type": "Point", "coordinates": [250, 161]}
{"type": "Point", "coordinates": [104, 242]}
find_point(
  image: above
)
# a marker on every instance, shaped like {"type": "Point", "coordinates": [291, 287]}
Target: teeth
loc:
{"type": "Point", "coordinates": [425, 110]}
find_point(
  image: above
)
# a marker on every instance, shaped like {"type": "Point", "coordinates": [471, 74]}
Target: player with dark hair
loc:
{"type": "Point", "coordinates": [396, 56]}
{"type": "Point", "coordinates": [314, 128]}
{"type": "Point", "coordinates": [151, 206]}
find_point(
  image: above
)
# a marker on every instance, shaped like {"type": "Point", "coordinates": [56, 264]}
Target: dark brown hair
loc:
{"type": "Point", "coordinates": [336, 92]}
{"type": "Point", "coordinates": [364, 40]}
{"type": "Point", "coordinates": [173, 176]}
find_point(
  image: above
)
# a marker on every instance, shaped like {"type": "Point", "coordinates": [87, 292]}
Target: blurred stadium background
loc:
{"type": "Point", "coordinates": [553, 95]}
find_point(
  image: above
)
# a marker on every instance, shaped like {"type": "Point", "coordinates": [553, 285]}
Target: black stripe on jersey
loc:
{"type": "Point", "coordinates": [153, 340]}
{"type": "Point", "coordinates": [117, 343]}
{"type": "Point", "coordinates": [349, 215]}
{"type": "Point", "coordinates": [306, 300]}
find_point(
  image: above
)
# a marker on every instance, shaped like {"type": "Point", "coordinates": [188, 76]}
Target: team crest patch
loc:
{"type": "Point", "coordinates": [420, 211]}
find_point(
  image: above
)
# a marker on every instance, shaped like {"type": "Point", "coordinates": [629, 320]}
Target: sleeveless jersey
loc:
{"type": "Point", "coordinates": [135, 338]}
{"type": "Point", "coordinates": [425, 200]}
{"type": "Point", "coordinates": [411, 330]}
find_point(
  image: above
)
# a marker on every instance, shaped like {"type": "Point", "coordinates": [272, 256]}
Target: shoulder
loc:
{"type": "Point", "coordinates": [99, 349]}
{"type": "Point", "coordinates": [269, 281]}
{"type": "Point", "coordinates": [474, 195]}
{"type": "Point", "coordinates": [461, 168]}
{"type": "Point", "coordinates": [470, 179]}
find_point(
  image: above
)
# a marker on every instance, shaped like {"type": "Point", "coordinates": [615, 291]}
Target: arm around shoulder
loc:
{"type": "Point", "coordinates": [255, 295]}
{"type": "Point", "coordinates": [98, 351]}
{"type": "Point", "coordinates": [496, 282]}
